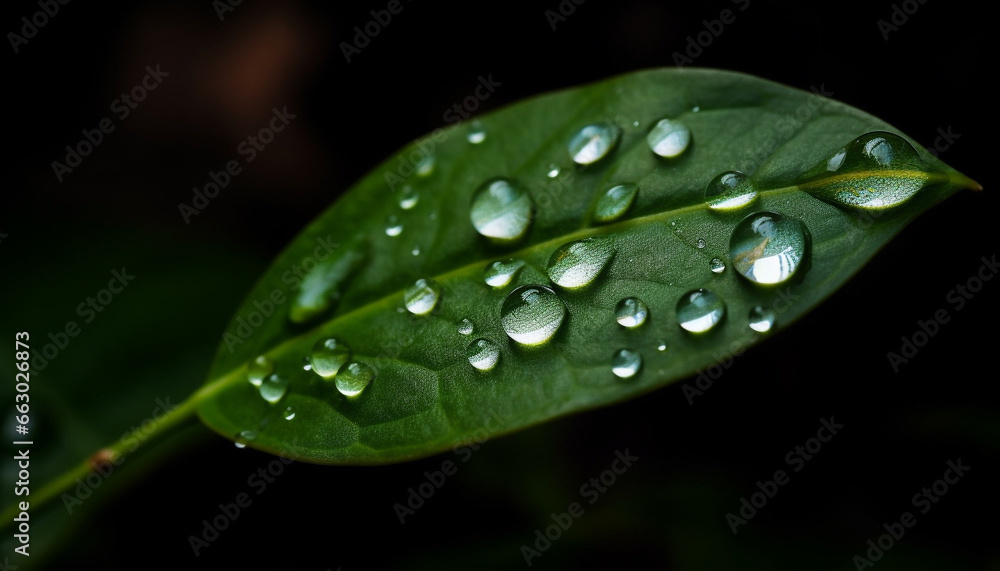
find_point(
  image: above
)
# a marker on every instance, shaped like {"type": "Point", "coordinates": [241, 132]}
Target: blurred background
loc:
{"type": "Point", "coordinates": [214, 73]}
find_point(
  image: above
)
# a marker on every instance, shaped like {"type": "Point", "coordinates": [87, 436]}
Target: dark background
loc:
{"type": "Point", "coordinates": [668, 510]}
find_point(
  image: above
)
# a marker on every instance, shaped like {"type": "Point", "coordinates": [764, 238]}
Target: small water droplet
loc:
{"type": "Point", "coordinates": [408, 198]}
{"type": "Point", "coordinates": [593, 142]}
{"type": "Point", "coordinates": [761, 319]}
{"type": "Point", "coordinates": [477, 133]}
{"type": "Point", "coordinates": [273, 387]}
{"type": "Point", "coordinates": [421, 297]}
{"type": "Point", "coordinates": [258, 369]}
{"type": "Point", "coordinates": [243, 437]}
{"type": "Point", "coordinates": [502, 272]}
{"type": "Point", "coordinates": [695, 109]}
{"type": "Point", "coordinates": [700, 243]}
{"type": "Point", "coordinates": [307, 364]}
{"type": "Point", "coordinates": [501, 209]}
{"type": "Point", "coordinates": [354, 378]}
{"type": "Point", "coordinates": [631, 312]}
{"type": "Point", "coordinates": [662, 346]}
{"type": "Point", "coordinates": [289, 413]}
{"type": "Point", "coordinates": [625, 363]}
{"type": "Point", "coordinates": [577, 264]}
{"type": "Point", "coordinates": [767, 248]}
{"type": "Point", "coordinates": [730, 190]}
{"type": "Point", "coordinates": [465, 326]}
{"type": "Point", "coordinates": [615, 202]}
{"type": "Point", "coordinates": [553, 171]}
{"type": "Point", "coordinates": [531, 314]}
{"type": "Point", "coordinates": [700, 310]}
{"type": "Point", "coordinates": [635, 123]}
{"type": "Point", "coordinates": [328, 356]}
{"type": "Point", "coordinates": [717, 265]}
{"type": "Point", "coordinates": [669, 138]}
{"type": "Point", "coordinates": [416, 250]}
{"type": "Point", "coordinates": [483, 354]}
{"type": "Point", "coordinates": [426, 166]}
{"type": "Point", "coordinates": [392, 226]}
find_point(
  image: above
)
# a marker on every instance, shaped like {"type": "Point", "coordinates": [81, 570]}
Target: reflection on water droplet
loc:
{"type": "Point", "coordinates": [465, 326]}
{"type": "Point", "coordinates": [761, 319]}
{"type": "Point", "coordinates": [695, 109]}
{"type": "Point", "coordinates": [631, 312]}
{"type": "Point", "coordinates": [615, 202]}
{"type": "Point", "coordinates": [289, 413]}
{"type": "Point", "coordinates": [328, 356]}
{"type": "Point", "coordinates": [307, 364]}
{"type": "Point", "coordinates": [700, 243]}
{"type": "Point", "coordinates": [593, 143]}
{"type": "Point", "coordinates": [577, 264]}
{"type": "Point", "coordinates": [662, 346]}
{"type": "Point", "coordinates": [875, 171]}
{"type": "Point", "coordinates": [716, 265]}
{"type": "Point", "coordinates": [700, 310]}
{"type": "Point", "coordinates": [421, 297]}
{"type": "Point", "coordinates": [669, 138]}
{"type": "Point", "coordinates": [483, 354]}
{"type": "Point", "coordinates": [259, 368]}
{"type": "Point", "coordinates": [730, 190]}
{"type": "Point", "coordinates": [426, 166]}
{"type": "Point", "coordinates": [531, 314]}
{"type": "Point", "coordinates": [625, 363]}
{"type": "Point", "coordinates": [477, 133]}
{"type": "Point", "coordinates": [767, 248]}
{"type": "Point", "coordinates": [273, 387]}
{"type": "Point", "coordinates": [501, 209]}
{"type": "Point", "coordinates": [392, 226]}
{"type": "Point", "coordinates": [553, 171]}
{"type": "Point", "coordinates": [408, 198]}
{"type": "Point", "coordinates": [502, 272]}
{"type": "Point", "coordinates": [354, 378]}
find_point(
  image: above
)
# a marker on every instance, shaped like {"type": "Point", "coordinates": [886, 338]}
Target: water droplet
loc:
{"type": "Point", "coordinates": [328, 356]}
{"type": "Point", "coordinates": [593, 143]}
{"type": "Point", "coordinates": [483, 354]}
{"type": "Point", "coordinates": [700, 243]}
{"type": "Point", "coordinates": [761, 319]}
{"type": "Point", "coordinates": [392, 226]}
{"type": "Point", "coordinates": [767, 248]}
{"type": "Point", "coordinates": [289, 413]}
{"type": "Point", "coordinates": [477, 133]}
{"type": "Point", "coordinates": [243, 437]}
{"type": "Point", "coordinates": [531, 314]}
{"type": "Point", "coordinates": [501, 209]}
{"type": "Point", "coordinates": [700, 310]}
{"type": "Point", "coordinates": [615, 202]}
{"type": "Point", "coordinates": [662, 346]}
{"type": "Point", "coordinates": [625, 363]}
{"type": "Point", "coordinates": [465, 326]}
{"type": "Point", "coordinates": [695, 109]}
{"type": "Point", "coordinates": [307, 364]}
{"type": "Point", "coordinates": [576, 264]}
{"type": "Point", "coordinates": [553, 171]}
{"type": "Point", "coordinates": [717, 265]}
{"type": "Point", "coordinates": [354, 378]}
{"type": "Point", "coordinates": [408, 198]}
{"type": "Point", "coordinates": [730, 190]}
{"type": "Point", "coordinates": [426, 166]}
{"type": "Point", "coordinates": [631, 312]}
{"type": "Point", "coordinates": [669, 138]}
{"type": "Point", "coordinates": [875, 171]}
{"type": "Point", "coordinates": [502, 272]}
{"type": "Point", "coordinates": [273, 387]}
{"type": "Point", "coordinates": [258, 369]}
{"type": "Point", "coordinates": [421, 297]}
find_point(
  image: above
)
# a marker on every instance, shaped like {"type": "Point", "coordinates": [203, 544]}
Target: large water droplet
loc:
{"type": "Point", "coordinates": [320, 289]}
{"type": "Point", "coordinates": [501, 209]}
{"type": "Point", "coordinates": [700, 310]}
{"type": "Point", "coordinates": [328, 356]}
{"type": "Point", "coordinates": [669, 138]}
{"type": "Point", "coordinates": [767, 248]}
{"type": "Point", "coordinates": [502, 272]}
{"type": "Point", "coordinates": [593, 143]}
{"type": "Point", "coordinates": [716, 265]}
{"type": "Point", "coordinates": [615, 202]}
{"type": "Point", "coordinates": [393, 227]}
{"type": "Point", "coordinates": [577, 264]}
{"type": "Point", "coordinates": [477, 133]}
{"type": "Point", "coordinates": [354, 378]}
{"type": "Point", "coordinates": [631, 312]}
{"type": "Point", "coordinates": [730, 190]}
{"type": "Point", "coordinates": [483, 354]}
{"type": "Point", "coordinates": [408, 198]}
{"type": "Point", "coordinates": [421, 297]}
{"type": "Point", "coordinates": [273, 387]}
{"type": "Point", "coordinates": [465, 326]}
{"type": "Point", "coordinates": [258, 369]}
{"type": "Point", "coordinates": [761, 319]}
{"type": "Point", "coordinates": [875, 171]}
{"type": "Point", "coordinates": [625, 363]}
{"type": "Point", "coordinates": [531, 314]}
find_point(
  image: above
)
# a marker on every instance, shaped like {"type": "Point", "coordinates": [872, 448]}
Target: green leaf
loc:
{"type": "Point", "coordinates": [345, 276]}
